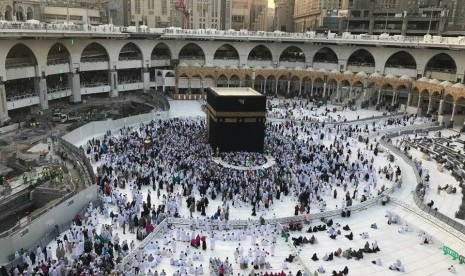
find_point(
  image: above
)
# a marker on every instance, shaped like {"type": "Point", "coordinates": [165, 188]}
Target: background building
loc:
{"type": "Point", "coordinates": [284, 15]}
{"type": "Point", "coordinates": [153, 13]}
{"type": "Point", "coordinates": [118, 12]}
{"type": "Point", "coordinates": [210, 14]}
{"type": "Point", "coordinates": [249, 14]}
{"type": "Point", "coordinates": [54, 11]}
{"type": "Point", "coordinates": [311, 14]}
{"type": "Point", "coordinates": [164, 13]}
{"type": "Point", "coordinates": [402, 17]}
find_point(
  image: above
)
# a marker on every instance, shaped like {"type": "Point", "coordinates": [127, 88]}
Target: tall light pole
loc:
{"type": "Point", "coordinates": [67, 11]}
{"type": "Point", "coordinates": [348, 18]}
{"type": "Point", "coordinates": [387, 14]}
{"type": "Point", "coordinates": [430, 19]}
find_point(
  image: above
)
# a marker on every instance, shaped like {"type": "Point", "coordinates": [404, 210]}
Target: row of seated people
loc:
{"type": "Point", "coordinates": [18, 91]}
{"type": "Point", "coordinates": [349, 253]}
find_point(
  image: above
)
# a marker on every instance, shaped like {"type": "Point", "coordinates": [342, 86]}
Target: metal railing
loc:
{"type": "Point", "coordinates": [82, 164]}
{"type": "Point", "coordinates": [440, 219]}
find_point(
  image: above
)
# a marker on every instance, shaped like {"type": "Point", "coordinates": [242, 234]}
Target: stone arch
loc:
{"type": "Point", "coordinates": [29, 14]}
{"type": "Point", "coordinates": [318, 88]}
{"type": "Point", "coordinates": [448, 104]}
{"type": "Point", "coordinates": [196, 84]}
{"type": "Point", "coordinates": [192, 52]}
{"type": "Point", "coordinates": [183, 84]}
{"type": "Point", "coordinates": [20, 56]}
{"type": "Point", "coordinates": [248, 81]}
{"type": "Point", "coordinates": [58, 54]}
{"type": "Point", "coordinates": [357, 89]}
{"type": "Point", "coordinates": [401, 59]}
{"type": "Point", "coordinates": [209, 81]}
{"type": "Point", "coordinates": [442, 67]}
{"type": "Point", "coordinates": [260, 52]}
{"type": "Point", "coordinates": [271, 85]}
{"type": "Point", "coordinates": [130, 51]}
{"type": "Point", "coordinates": [294, 86]}
{"type": "Point", "coordinates": [20, 14]}
{"type": "Point", "coordinates": [414, 97]}
{"type": "Point", "coordinates": [222, 81]}
{"type": "Point", "coordinates": [306, 86]}
{"type": "Point", "coordinates": [402, 93]}
{"type": "Point", "coordinates": [8, 13]}
{"type": "Point", "coordinates": [94, 52]}
{"type": "Point", "coordinates": [325, 55]}
{"type": "Point", "coordinates": [226, 51]}
{"type": "Point", "coordinates": [387, 92]}
{"type": "Point", "coordinates": [435, 100]}
{"type": "Point", "coordinates": [361, 60]}
{"type": "Point", "coordinates": [345, 88]}
{"type": "Point", "coordinates": [259, 84]}
{"type": "Point", "coordinates": [161, 51]}
{"type": "Point", "coordinates": [282, 84]}
{"type": "Point", "coordinates": [292, 54]}
{"type": "Point", "coordinates": [234, 81]}
{"type": "Point", "coordinates": [423, 101]}
{"type": "Point", "coordinates": [460, 109]}
{"type": "Point", "coordinates": [331, 87]}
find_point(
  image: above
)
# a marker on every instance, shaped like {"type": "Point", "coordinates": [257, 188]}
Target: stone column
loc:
{"type": "Point", "coordinates": [441, 107]}
{"type": "Point", "coordinates": [338, 92]}
{"type": "Point", "coordinates": [430, 104]}
{"type": "Point", "coordinates": [288, 86]}
{"type": "Point", "coordinates": [364, 94]}
{"type": "Point", "coordinates": [419, 101]}
{"type": "Point", "coordinates": [113, 77]}
{"type": "Point", "coordinates": [202, 90]}
{"type": "Point", "coordinates": [276, 88]}
{"type": "Point", "coordinates": [300, 88]}
{"type": "Point", "coordinates": [394, 93]}
{"type": "Point", "coordinates": [404, 26]}
{"type": "Point", "coordinates": [324, 90]}
{"type": "Point", "coordinates": [3, 106]}
{"type": "Point", "coordinates": [40, 86]}
{"type": "Point", "coordinates": [74, 79]}
{"type": "Point", "coordinates": [371, 25]}
{"type": "Point", "coordinates": [409, 99]}
{"type": "Point", "coordinates": [146, 79]}
{"type": "Point", "coordinates": [379, 96]}
{"type": "Point", "coordinates": [264, 88]}
{"type": "Point", "coordinates": [311, 88]}
{"type": "Point", "coordinates": [452, 117]}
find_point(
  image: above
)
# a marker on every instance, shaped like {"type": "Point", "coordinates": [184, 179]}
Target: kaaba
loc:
{"type": "Point", "coordinates": [235, 119]}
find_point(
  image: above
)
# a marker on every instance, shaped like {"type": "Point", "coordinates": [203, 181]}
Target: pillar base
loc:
{"type": "Point", "coordinates": [4, 118]}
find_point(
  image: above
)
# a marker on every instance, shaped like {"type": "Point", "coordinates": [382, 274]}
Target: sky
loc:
{"type": "Point", "coordinates": [270, 3]}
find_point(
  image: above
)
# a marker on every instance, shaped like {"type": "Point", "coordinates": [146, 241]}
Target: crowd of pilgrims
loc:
{"type": "Point", "coordinates": [243, 159]}
{"type": "Point", "coordinates": [174, 160]}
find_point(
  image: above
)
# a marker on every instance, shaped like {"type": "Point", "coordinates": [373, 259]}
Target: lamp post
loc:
{"type": "Point", "coordinates": [430, 19]}
{"type": "Point", "coordinates": [348, 18]}
{"type": "Point", "coordinates": [387, 14]}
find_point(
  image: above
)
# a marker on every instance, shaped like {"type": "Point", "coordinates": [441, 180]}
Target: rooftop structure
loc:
{"type": "Point", "coordinates": [235, 91]}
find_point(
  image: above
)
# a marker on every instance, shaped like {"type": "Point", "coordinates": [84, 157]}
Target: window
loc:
{"type": "Point", "coordinates": [164, 7]}
{"type": "Point", "coordinates": [137, 4]}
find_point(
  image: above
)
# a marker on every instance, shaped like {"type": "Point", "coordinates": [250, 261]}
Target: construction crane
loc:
{"type": "Point", "coordinates": [181, 6]}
